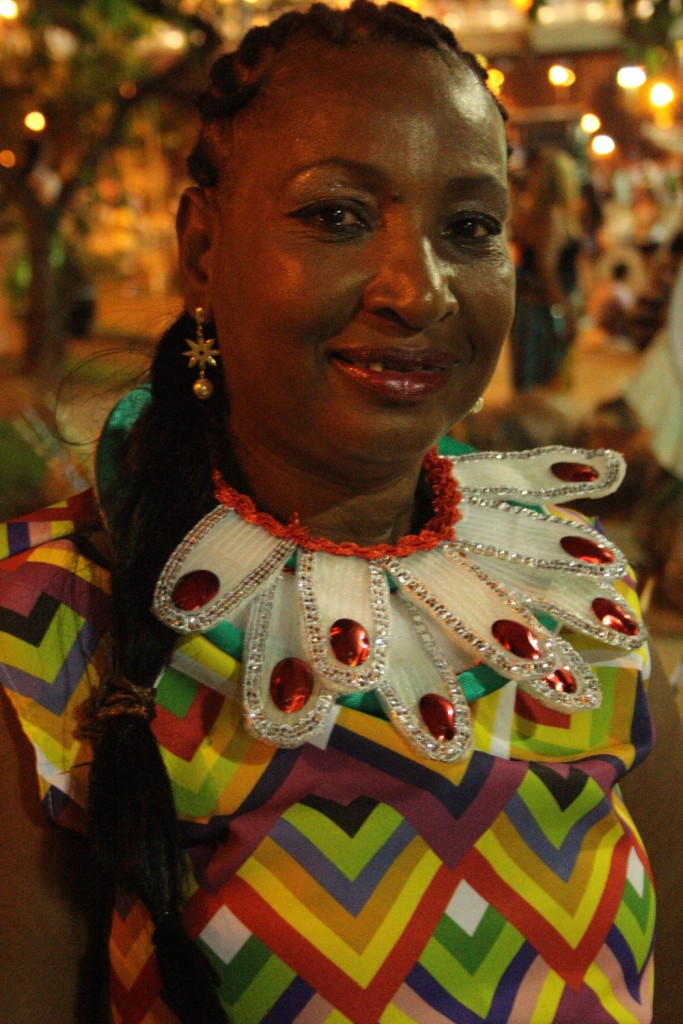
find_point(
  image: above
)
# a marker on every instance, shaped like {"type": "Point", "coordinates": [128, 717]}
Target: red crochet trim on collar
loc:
{"type": "Point", "coordinates": [440, 527]}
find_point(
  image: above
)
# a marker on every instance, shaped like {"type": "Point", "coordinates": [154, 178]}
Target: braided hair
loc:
{"type": "Point", "coordinates": [164, 487]}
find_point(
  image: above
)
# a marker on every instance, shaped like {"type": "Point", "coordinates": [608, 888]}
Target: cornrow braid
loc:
{"type": "Point", "coordinates": [164, 488]}
{"type": "Point", "coordinates": [238, 77]}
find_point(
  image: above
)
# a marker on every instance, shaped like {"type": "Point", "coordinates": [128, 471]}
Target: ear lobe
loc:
{"type": "Point", "coordinates": [195, 227]}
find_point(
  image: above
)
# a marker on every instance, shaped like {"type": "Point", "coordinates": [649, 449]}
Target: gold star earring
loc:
{"type": "Point", "coordinates": [201, 353]}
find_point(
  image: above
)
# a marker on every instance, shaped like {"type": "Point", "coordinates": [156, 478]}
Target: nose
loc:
{"type": "Point", "coordinates": [413, 285]}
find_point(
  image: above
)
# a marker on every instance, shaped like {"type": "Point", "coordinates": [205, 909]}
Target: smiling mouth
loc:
{"type": "Point", "coordinates": [402, 375]}
{"type": "Point", "coordinates": [397, 361]}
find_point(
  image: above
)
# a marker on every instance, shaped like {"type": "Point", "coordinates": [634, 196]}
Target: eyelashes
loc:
{"type": "Point", "coordinates": [348, 219]}
{"type": "Point", "coordinates": [335, 218]}
{"type": "Point", "coordinates": [473, 227]}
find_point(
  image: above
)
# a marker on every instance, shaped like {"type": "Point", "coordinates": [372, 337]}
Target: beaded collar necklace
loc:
{"type": "Point", "coordinates": [445, 514]}
{"type": "Point", "coordinates": [405, 620]}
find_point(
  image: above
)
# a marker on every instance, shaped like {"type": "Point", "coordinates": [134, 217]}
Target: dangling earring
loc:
{"type": "Point", "coordinates": [201, 353]}
{"type": "Point", "coordinates": [477, 407]}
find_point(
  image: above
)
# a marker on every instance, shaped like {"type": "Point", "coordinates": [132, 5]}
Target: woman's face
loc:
{"type": "Point", "coordinates": [354, 262]}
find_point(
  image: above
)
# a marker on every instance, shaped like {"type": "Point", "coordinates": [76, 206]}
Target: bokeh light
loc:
{"type": "Point", "coordinates": [630, 77]}
{"type": "Point", "coordinates": [558, 74]}
{"type": "Point", "coordinates": [590, 123]}
{"type": "Point", "coordinates": [661, 94]}
{"type": "Point", "coordinates": [603, 145]}
{"type": "Point", "coordinates": [35, 121]}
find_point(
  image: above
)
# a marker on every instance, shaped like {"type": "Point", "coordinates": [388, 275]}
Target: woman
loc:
{"type": "Point", "coordinates": [546, 232]}
{"type": "Point", "coordinates": [350, 857]}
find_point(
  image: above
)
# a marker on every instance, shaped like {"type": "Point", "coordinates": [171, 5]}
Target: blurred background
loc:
{"type": "Point", "coordinates": [96, 122]}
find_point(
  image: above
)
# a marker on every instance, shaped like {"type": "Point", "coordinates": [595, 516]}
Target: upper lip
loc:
{"type": "Point", "coordinates": [398, 357]}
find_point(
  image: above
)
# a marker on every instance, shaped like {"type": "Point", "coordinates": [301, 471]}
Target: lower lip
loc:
{"type": "Point", "coordinates": [399, 387]}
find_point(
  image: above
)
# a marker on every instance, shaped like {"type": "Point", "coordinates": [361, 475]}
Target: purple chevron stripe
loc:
{"type": "Point", "coordinates": [428, 988]}
{"type": "Point", "coordinates": [563, 860]}
{"type": "Point", "coordinates": [582, 1006]}
{"type": "Point", "coordinates": [438, 810]}
{"type": "Point", "coordinates": [290, 1004]}
{"type": "Point", "coordinates": [352, 894]}
{"type": "Point", "coordinates": [433, 804]}
{"type": "Point", "coordinates": [21, 589]}
{"type": "Point", "coordinates": [54, 695]}
{"type": "Point", "coordinates": [624, 954]}
{"type": "Point", "coordinates": [18, 537]}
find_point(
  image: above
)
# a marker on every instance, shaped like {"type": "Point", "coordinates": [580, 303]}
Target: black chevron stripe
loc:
{"type": "Point", "coordinates": [565, 790]}
{"type": "Point", "coordinates": [349, 817]}
{"type": "Point", "coordinates": [32, 627]}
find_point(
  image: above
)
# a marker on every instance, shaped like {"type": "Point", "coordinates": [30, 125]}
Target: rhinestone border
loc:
{"type": "Point", "coordinates": [347, 677]}
{"type": "Point", "coordinates": [603, 484]}
{"type": "Point", "coordinates": [607, 570]}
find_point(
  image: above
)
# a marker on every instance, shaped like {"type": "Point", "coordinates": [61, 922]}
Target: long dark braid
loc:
{"type": "Point", "coordinates": [163, 489]}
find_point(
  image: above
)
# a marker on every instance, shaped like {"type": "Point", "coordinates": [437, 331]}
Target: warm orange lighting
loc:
{"type": "Point", "coordinates": [128, 90]}
{"type": "Point", "coordinates": [7, 158]}
{"type": "Point", "coordinates": [603, 145]}
{"type": "Point", "coordinates": [495, 80]}
{"type": "Point", "coordinates": [630, 77]}
{"type": "Point", "coordinates": [9, 10]}
{"type": "Point", "coordinates": [661, 95]}
{"type": "Point", "coordinates": [590, 123]}
{"type": "Point", "coordinates": [560, 75]}
{"type": "Point", "coordinates": [522, 5]}
{"type": "Point", "coordinates": [35, 121]}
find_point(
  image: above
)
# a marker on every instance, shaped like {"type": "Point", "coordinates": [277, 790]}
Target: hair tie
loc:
{"type": "Point", "coordinates": [122, 699]}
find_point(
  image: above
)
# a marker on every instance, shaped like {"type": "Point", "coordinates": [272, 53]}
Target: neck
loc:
{"type": "Point", "coordinates": [375, 505]}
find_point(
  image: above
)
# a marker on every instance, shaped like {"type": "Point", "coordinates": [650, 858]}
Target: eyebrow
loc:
{"type": "Point", "coordinates": [465, 183]}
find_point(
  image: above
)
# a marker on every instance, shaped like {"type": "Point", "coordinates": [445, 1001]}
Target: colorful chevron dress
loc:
{"type": "Point", "coordinates": [349, 879]}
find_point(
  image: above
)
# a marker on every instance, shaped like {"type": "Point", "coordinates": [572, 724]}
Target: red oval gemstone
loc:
{"type": "Point", "coordinates": [562, 681]}
{"type": "Point", "coordinates": [587, 550]}
{"type": "Point", "coordinates": [574, 472]}
{"type": "Point", "coordinates": [516, 638]}
{"type": "Point", "coordinates": [349, 641]}
{"type": "Point", "coordinates": [291, 684]}
{"type": "Point", "coordinates": [614, 616]}
{"type": "Point", "coordinates": [439, 716]}
{"type": "Point", "coordinates": [195, 589]}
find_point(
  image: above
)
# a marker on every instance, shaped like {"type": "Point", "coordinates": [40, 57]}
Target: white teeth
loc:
{"type": "Point", "coordinates": [377, 367]}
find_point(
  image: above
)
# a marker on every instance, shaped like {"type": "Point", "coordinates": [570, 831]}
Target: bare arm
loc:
{"type": "Point", "coordinates": [52, 916]}
{"type": "Point", "coordinates": [654, 796]}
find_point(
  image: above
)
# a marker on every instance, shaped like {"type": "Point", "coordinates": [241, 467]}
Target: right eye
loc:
{"type": "Point", "coordinates": [334, 217]}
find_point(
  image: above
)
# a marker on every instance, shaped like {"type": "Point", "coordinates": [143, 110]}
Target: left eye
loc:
{"type": "Point", "coordinates": [333, 217]}
{"type": "Point", "coordinates": [473, 226]}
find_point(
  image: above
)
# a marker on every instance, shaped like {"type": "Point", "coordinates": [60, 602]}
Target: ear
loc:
{"type": "Point", "coordinates": [196, 227]}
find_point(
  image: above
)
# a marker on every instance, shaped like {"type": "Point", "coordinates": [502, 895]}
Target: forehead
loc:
{"type": "Point", "coordinates": [374, 100]}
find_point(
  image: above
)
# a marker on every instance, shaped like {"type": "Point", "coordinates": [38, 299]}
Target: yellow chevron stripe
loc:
{"type": "Point", "coordinates": [198, 649]}
{"type": "Point", "coordinates": [45, 660]}
{"type": "Point", "coordinates": [392, 1015]}
{"type": "Point", "coordinates": [389, 898]}
{"type": "Point", "coordinates": [623, 1008]}
{"type": "Point", "coordinates": [378, 731]}
{"type": "Point", "coordinates": [549, 997]}
{"type": "Point", "coordinates": [348, 853]}
{"type": "Point", "coordinates": [361, 966]}
{"type": "Point", "coordinates": [570, 906]}
{"type": "Point", "coordinates": [225, 768]}
{"type": "Point", "coordinates": [65, 556]}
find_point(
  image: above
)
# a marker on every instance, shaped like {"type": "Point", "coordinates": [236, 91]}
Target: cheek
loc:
{"type": "Point", "coordinates": [491, 304]}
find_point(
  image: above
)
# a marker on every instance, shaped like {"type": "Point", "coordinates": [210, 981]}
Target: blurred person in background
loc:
{"type": "Point", "coordinates": [546, 233]}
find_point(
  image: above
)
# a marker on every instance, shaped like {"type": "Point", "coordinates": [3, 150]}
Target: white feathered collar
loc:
{"type": "Point", "coordinates": [323, 620]}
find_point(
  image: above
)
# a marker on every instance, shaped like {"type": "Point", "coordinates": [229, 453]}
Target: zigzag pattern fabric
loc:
{"type": "Point", "coordinates": [349, 881]}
